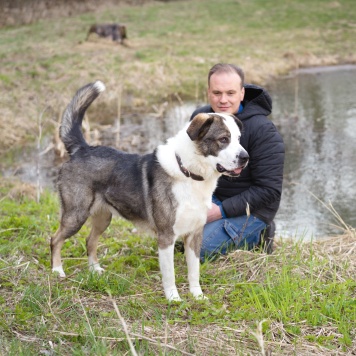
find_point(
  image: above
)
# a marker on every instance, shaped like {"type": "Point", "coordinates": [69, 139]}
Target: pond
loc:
{"type": "Point", "coordinates": [314, 110]}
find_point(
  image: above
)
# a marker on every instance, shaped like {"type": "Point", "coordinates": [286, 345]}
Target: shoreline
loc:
{"type": "Point", "coordinates": [263, 76]}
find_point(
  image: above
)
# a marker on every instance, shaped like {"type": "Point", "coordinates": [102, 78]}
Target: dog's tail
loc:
{"type": "Point", "coordinates": [70, 130]}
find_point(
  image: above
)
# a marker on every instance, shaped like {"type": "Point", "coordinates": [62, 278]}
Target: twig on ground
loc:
{"type": "Point", "coordinates": [123, 323]}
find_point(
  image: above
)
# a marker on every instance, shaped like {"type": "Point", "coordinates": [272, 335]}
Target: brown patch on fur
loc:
{"type": "Point", "coordinates": [195, 242]}
{"type": "Point", "coordinates": [208, 130]}
{"type": "Point", "coordinates": [199, 126]}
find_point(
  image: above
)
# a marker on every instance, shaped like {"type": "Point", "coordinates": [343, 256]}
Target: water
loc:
{"type": "Point", "coordinates": [315, 111]}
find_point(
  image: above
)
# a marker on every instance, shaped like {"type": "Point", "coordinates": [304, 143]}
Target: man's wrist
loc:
{"type": "Point", "coordinates": [223, 215]}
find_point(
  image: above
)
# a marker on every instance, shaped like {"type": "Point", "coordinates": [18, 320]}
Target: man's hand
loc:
{"type": "Point", "coordinates": [214, 213]}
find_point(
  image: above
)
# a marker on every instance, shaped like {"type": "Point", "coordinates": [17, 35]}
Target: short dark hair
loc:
{"type": "Point", "coordinates": [226, 68]}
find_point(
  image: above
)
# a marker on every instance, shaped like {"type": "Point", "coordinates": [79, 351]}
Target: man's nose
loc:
{"type": "Point", "coordinates": [223, 98]}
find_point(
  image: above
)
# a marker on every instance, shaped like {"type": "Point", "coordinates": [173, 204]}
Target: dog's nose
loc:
{"type": "Point", "coordinates": [243, 157]}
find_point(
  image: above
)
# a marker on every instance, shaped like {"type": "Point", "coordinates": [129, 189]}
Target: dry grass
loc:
{"type": "Point", "coordinates": [167, 55]}
{"type": "Point", "coordinates": [242, 338]}
{"type": "Point", "coordinates": [248, 311]}
{"type": "Point", "coordinates": [171, 47]}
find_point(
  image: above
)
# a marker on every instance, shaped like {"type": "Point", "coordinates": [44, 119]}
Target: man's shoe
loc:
{"type": "Point", "coordinates": [267, 237]}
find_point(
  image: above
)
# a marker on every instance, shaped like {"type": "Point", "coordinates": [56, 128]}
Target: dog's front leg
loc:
{"type": "Point", "coordinates": [166, 264]}
{"type": "Point", "coordinates": [192, 247]}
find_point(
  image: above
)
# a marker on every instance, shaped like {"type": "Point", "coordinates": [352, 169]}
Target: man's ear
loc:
{"type": "Point", "coordinates": [199, 126]}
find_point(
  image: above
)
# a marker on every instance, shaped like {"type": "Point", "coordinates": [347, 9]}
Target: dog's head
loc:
{"type": "Point", "coordinates": [217, 136]}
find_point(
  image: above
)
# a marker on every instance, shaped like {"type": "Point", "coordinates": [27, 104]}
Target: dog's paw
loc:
{"type": "Point", "coordinates": [95, 267]}
{"type": "Point", "coordinates": [175, 299]}
{"type": "Point", "coordinates": [59, 270]}
{"type": "Point", "coordinates": [173, 295]}
{"type": "Point", "coordinates": [197, 293]}
{"type": "Point", "coordinates": [201, 297]}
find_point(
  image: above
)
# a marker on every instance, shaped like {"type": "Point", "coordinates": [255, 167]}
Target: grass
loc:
{"type": "Point", "coordinates": [299, 300]}
{"type": "Point", "coordinates": [170, 49]}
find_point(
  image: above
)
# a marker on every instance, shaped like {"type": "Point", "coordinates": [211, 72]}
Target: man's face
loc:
{"type": "Point", "coordinates": [225, 93]}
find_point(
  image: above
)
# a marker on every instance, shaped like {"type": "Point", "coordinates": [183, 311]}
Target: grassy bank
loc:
{"type": "Point", "coordinates": [170, 49]}
{"type": "Point", "coordinates": [299, 300]}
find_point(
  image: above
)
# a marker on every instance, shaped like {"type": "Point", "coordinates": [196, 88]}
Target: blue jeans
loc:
{"type": "Point", "coordinates": [227, 234]}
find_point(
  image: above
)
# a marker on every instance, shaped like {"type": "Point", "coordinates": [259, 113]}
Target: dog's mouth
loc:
{"type": "Point", "coordinates": [233, 173]}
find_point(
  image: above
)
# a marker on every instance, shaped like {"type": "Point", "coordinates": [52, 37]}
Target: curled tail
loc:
{"type": "Point", "coordinates": [70, 130]}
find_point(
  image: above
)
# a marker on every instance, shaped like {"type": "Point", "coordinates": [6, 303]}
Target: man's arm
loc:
{"type": "Point", "coordinates": [214, 213]}
{"type": "Point", "coordinates": [266, 167]}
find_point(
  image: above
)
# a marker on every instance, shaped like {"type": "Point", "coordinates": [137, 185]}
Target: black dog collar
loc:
{"type": "Point", "coordinates": [185, 170]}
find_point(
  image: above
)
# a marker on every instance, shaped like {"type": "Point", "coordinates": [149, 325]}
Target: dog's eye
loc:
{"type": "Point", "coordinates": [224, 139]}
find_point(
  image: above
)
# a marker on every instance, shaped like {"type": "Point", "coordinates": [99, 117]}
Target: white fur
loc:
{"type": "Point", "coordinates": [100, 86]}
{"type": "Point", "coordinates": [194, 198]}
{"type": "Point", "coordinates": [228, 157]}
{"type": "Point", "coordinates": [166, 264]}
{"type": "Point", "coordinates": [193, 273]}
{"type": "Point", "coordinates": [59, 270]}
{"type": "Point", "coordinates": [95, 266]}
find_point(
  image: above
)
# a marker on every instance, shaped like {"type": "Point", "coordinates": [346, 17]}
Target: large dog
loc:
{"type": "Point", "coordinates": [168, 190]}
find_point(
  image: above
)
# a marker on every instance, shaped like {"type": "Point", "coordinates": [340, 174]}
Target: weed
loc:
{"type": "Point", "coordinates": [300, 300]}
{"type": "Point", "coordinates": [302, 297]}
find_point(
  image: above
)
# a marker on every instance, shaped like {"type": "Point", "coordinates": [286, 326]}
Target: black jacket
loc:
{"type": "Point", "coordinates": [260, 183]}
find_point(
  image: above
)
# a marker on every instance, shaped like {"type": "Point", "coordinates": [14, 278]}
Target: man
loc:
{"type": "Point", "coordinates": [244, 207]}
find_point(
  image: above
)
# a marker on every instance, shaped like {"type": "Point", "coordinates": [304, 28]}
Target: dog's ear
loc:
{"type": "Point", "coordinates": [238, 122]}
{"type": "Point", "coordinates": [199, 126]}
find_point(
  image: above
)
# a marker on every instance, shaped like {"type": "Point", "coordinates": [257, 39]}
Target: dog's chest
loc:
{"type": "Point", "coordinates": [194, 200]}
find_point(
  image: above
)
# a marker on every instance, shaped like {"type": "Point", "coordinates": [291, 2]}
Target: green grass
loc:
{"type": "Point", "coordinates": [300, 300]}
{"type": "Point", "coordinates": [303, 297]}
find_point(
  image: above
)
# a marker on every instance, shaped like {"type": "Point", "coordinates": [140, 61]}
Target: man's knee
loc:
{"type": "Point", "coordinates": [215, 242]}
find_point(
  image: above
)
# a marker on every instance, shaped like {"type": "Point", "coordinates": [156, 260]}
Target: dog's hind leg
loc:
{"type": "Point", "coordinates": [100, 221]}
{"type": "Point", "coordinates": [70, 225]}
{"type": "Point", "coordinates": [192, 245]}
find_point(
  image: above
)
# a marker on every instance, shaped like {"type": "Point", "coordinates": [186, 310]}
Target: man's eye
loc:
{"type": "Point", "coordinates": [224, 140]}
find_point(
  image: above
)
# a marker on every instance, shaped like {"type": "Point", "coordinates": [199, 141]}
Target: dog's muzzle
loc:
{"type": "Point", "coordinates": [242, 162]}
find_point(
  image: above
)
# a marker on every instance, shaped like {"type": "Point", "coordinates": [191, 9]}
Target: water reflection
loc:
{"type": "Point", "coordinates": [316, 114]}
{"type": "Point", "coordinates": [153, 130]}
{"type": "Point", "coordinates": [315, 111]}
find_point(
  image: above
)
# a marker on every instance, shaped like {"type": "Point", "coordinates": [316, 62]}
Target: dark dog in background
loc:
{"type": "Point", "coordinates": [117, 32]}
